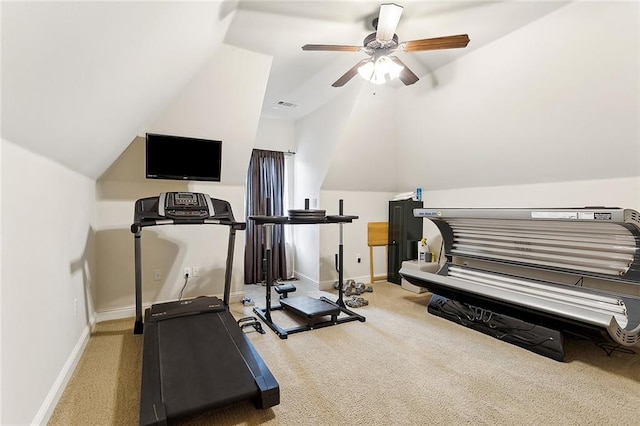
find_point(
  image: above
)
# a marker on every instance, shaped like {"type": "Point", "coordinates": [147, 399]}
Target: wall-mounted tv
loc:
{"type": "Point", "coordinates": [183, 158]}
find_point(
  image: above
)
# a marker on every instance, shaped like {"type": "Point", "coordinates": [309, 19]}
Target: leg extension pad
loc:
{"type": "Point", "coordinates": [284, 289]}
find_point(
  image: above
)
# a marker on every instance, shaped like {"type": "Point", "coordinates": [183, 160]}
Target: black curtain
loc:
{"type": "Point", "coordinates": [265, 193]}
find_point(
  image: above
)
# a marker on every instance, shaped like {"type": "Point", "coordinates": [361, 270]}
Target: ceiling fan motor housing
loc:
{"type": "Point", "coordinates": [372, 42]}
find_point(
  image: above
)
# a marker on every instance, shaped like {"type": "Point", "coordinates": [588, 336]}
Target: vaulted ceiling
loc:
{"type": "Point", "coordinates": [281, 28]}
{"type": "Point", "coordinates": [81, 79]}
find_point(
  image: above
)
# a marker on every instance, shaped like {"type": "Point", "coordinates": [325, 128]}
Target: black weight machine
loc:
{"type": "Point", "coordinates": [317, 313]}
{"type": "Point", "coordinates": [195, 355]}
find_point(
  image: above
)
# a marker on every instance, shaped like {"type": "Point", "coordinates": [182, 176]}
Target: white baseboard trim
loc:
{"type": "Point", "coordinates": [130, 311]}
{"type": "Point", "coordinates": [328, 285]}
{"type": "Point", "coordinates": [53, 397]}
{"type": "Point", "coordinates": [300, 276]}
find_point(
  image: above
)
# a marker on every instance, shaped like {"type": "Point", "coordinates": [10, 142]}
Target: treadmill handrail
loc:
{"type": "Point", "coordinates": [146, 214]}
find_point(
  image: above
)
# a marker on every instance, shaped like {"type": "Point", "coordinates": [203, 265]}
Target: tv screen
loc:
{"type": "Point", "coordinates": [183, 158]}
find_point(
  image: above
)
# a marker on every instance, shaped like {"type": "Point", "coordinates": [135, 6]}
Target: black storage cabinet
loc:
{"type": "Point", "coordinates": [405, 233]}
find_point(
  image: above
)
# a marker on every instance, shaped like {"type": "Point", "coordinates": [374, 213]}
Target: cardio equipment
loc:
{"type": "Point", "coordinates": [317, 313]}
{"type": "Point", "coordinates": [195, 355]}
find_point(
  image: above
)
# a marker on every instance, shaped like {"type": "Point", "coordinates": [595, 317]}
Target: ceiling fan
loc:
{"type": "Point", "coordinates": [380, 67]}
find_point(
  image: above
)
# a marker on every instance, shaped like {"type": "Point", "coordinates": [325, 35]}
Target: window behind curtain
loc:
{"type": "Point", "coordinates": [265, 195]}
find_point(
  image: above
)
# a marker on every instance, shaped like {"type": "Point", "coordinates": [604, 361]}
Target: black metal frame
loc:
{"type": "Point", "coordinates": [147, 214]}
{"type": "Point", "coordinates": [312, 323]}
{"type": "Point", "coordinates": [217, 334]}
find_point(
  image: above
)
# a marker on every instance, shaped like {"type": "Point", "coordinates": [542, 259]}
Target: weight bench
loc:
{"type": "Point", "coordinates": [317, 313]}
{"type": "Point", "coordinates": [526, 276]}
{"type": "Point", "coordinates": [313, 310]}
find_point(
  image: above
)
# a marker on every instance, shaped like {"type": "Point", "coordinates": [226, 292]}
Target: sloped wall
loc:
{"type": "Point", "coordinates": [222, 102]}
{"type": "Point", "coordinates": [364, 157]}
{"type": "Point", "coordinates": [317, 136]}
{"type": "Point", "coordinates": [556, 100]}
{"type": "Point", "coordinates": [546, 116]}
{"type": "Point", "coordinates": [93, 74]}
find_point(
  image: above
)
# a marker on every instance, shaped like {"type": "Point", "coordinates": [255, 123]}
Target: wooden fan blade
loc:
{"type": "Point", "coordinates": [349, 74]}
{"type": "Point", "coordinates": [406, 75]}
{"type": "Point", "coordinates": [449, 42]}
{"type": "Point", "coordinates": [388, 21]}
{"type": "Point", "coordinates": [331, 48]}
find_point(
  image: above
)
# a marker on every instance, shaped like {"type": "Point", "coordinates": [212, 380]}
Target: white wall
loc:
{"type": "Point", "coordinates": [619, 192]}
{"type": "Point", "coordinates": [222, 102]}
{"type": "Point", "coordinates": [316, 138]}
{"type": "Point", "coordinates": [364, 157]}
{"type": "Point", "coordinates": [165, 248]}
{"type": "Point", "coordinates": [373, 207]}
{"type": "Point", "coordinates": [92, 74]}
{"type": "Point", "coordinates": [275, 134]}
{"type": "Point", "coordinates": [1, 276]}
{"type": "Point", "coordinates": [48, 270]}
{"type": "Point", "coordinates": [493, 126]}
{"type": "Point", "coordinates": [369, 207]}
{"type": "Point", "coordinates": [554, 101]}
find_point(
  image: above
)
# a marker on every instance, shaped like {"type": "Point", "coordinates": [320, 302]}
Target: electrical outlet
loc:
{"type": "Point", "coordinates": [186, 272]}
{"type": "Point", "coordinates": [75, 306]}
{"type": "Point", "coordinates": [196, 271]}
{"type": "Point", "coordinates": [157, 274]}
{"type": "Point", "coordinates": [358, 258]}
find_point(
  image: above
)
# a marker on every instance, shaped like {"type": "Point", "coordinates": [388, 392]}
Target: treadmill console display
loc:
{"type": "Point", "coordinates": [185, 205]}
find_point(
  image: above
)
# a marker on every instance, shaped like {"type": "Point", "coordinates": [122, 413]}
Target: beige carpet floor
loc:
{"type": "Point", "coordinates": [402, 366]}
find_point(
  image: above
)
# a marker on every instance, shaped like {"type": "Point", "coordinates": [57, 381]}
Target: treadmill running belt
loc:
{"type": "Point", "coordinates": [199, 366]}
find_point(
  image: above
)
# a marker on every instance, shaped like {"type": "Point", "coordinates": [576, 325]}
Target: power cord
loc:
{"type": "Point", "coordinates": [186, 280]}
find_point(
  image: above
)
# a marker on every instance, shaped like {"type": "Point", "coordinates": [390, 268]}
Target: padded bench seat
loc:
{"type": "Point", "coordinates": [310, 307]}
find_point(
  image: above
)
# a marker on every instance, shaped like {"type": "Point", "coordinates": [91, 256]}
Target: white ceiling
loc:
{"type": "Point", "coordinates": [281, 28]}
{"type": "Point", "coordinates": [81, 79]}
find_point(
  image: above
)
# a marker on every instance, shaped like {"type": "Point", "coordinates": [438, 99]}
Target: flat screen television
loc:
{"type": "Point", "coordinates": [183, 158]}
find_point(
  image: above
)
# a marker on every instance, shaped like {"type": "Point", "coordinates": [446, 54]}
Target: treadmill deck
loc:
{"type": "Point", "coordinates": [199, 361]}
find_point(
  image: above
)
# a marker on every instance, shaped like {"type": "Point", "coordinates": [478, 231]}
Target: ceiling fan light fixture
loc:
{"type": "Point", "coordinates": [381, 71]}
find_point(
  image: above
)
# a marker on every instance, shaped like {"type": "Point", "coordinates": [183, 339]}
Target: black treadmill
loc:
{"type": "Point", "coordinates": [195, 355]}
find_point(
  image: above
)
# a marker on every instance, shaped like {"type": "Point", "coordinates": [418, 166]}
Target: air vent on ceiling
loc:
{"type": "Point", "coordinates": [285, 104]}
